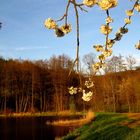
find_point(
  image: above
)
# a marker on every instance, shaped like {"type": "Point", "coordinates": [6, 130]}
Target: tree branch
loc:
{"type": "Point", "coordinates": [107, 13]}
{"type": "Point", "coordinates": [79, 5]}
{"type": "Point", "coordinates": [65, 14]}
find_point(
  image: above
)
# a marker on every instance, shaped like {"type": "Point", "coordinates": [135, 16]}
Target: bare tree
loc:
{"type": "Point", "coordinates": [131, 61]}
{"type": "Point", "coordinates": [115, 64]}
{"type": "Point", "coordinates": [89, 60]}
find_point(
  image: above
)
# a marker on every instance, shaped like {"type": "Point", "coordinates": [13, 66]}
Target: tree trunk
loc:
{"type": "Point", "coordinates": [16, 103]}
{"type": "Point", "coordinates": [32, 99]}
{"type": "Point", "coordinates": [5, 98]}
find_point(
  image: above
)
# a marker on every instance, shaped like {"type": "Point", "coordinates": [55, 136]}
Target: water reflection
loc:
{"type": "Point", "coordinates": [31, 128]}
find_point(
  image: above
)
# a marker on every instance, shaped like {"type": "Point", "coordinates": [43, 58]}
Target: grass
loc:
{"type": "Point", "coordinates": [107, 126]}
{"type": "Point", "coordinates": [76, 122]}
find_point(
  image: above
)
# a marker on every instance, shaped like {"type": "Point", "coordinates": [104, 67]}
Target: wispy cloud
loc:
{"type": "Point", "coordinates": [20, 49]}
{"type": "Point", "coordinates": [27, 52]}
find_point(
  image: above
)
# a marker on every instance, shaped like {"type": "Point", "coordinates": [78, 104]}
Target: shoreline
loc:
{"type": "Point", "coordinates": [39, 114]}
{"type": "Point", "coordinates": [90, 116]}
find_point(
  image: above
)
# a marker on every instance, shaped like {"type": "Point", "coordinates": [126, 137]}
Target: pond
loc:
{"type": "Point", "coordinates": [32, 128]}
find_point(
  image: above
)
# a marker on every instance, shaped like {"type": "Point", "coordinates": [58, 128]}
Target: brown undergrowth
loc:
{"type": "Point", "coordinates": [76, 122]}
{"type": "Point", "coordinates": [134, 120]}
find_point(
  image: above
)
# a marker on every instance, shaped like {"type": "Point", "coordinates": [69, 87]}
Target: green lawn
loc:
{"type": "Point", "coordinates": [107, 126]}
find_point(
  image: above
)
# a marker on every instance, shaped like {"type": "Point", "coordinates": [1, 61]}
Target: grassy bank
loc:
{"type": "Point", "coordinates": [108, 126]}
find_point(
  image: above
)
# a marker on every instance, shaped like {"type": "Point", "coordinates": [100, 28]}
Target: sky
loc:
{"type": "Point", "coordinates": [23, 35]}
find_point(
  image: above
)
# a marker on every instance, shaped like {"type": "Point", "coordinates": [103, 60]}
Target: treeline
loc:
{"type": "Point", "coordinates": [27, 86]}
{"type": "Point", "coordinates": [35, 86]}
{"type": "Point", "coordinates": [118, 92]}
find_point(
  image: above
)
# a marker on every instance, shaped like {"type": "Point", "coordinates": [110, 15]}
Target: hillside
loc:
{"type": "Point", "coordinates": [109, 126]}
{"type": "Point", "coordinates": [42, 86]}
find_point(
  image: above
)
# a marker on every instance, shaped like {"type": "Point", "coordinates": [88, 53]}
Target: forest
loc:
{"type": "Point", "coordinates": [41, 86]}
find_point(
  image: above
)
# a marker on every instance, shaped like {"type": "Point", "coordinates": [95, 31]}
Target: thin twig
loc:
{"type": "Point", "coordinates": [107, 13]}
{"type": "Point", "coordinates": [82, 9]}
{"type": "Point", "coordinates": [77, 31]}
{"type": "Point", "coordinates": [132, 11]}
{"type": "Point", "coordinates": [67, 8]}
{"type": "Point", "coordinates": [65, 14]}
{"type": "Point", "coordinates": [78, 41]}
{"type": "Point", "coordinates": [129, 16]}
{"type": "Point", "coordinates": [79, 6]}
{"type": "Point", "coordinates": [61, 18]}
{"type": "Point", "coordinates": [73, 64]}
{"type": "Point", "coordinates": [76, 61]}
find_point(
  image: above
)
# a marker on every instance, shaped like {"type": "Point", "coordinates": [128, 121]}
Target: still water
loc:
{"type": "Point", "coordinates": [31, 128]}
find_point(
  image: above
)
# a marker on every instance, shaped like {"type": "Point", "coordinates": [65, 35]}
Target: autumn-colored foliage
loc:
{"type": "Point", "coordinates": [42, 86]}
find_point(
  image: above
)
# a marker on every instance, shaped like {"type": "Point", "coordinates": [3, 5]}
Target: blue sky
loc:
{"type": "Point", "coordinates": [24, 36]}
